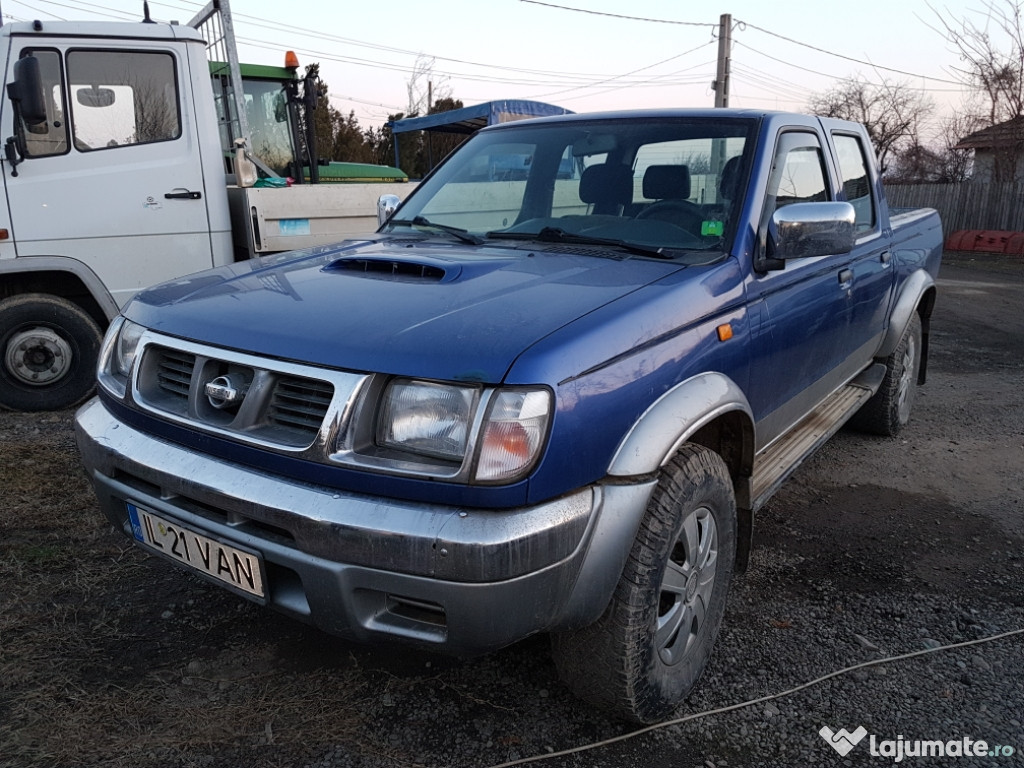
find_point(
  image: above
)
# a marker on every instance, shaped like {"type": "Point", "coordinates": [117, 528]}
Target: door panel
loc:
{"type": "Point", "coordinates": [801, 343]}
{"type": "Point", "coordinates": [870, 260]}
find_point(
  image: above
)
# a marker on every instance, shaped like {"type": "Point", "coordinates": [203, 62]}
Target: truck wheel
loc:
{"type": "Point", "coordinates": [48, 353]}
{"type": "Point", "coordinates": [649, 648]}
{"type": "Point", "coordinates": [888, 410]}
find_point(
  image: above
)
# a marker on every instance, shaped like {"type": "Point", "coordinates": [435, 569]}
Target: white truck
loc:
{"type": "Point", "coordinates": [116, 177]}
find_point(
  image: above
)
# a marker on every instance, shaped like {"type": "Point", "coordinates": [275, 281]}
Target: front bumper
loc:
{"type": "Point", "coordinates": [459, 579]}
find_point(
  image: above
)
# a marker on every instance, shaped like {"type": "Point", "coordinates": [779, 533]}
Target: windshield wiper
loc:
{"type": "Point", "coordinates": [422, 221]}
{"type": "Point", "coordinates": [559, 235]}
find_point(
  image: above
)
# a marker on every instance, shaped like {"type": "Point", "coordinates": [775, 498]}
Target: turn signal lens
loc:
{"type": "Point", "coordinates": [513, 434]}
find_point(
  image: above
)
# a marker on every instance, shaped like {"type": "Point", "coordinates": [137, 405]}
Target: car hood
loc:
{"type": "Point", "coordinates": [427, 309]}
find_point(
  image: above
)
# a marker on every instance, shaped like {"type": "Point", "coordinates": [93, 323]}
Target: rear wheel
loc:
{"type": "Point", "coordinates": [888, 410]}
{"type": "Point", "coordinates": [651, 645]}
{"type": "Point", "coordinates": [48, 352]}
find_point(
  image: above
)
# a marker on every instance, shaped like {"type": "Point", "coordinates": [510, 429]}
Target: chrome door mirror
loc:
{"type": "Point", "coordinates": [386, 206]}
{"type": "Point", "coordinates": [806, 230]}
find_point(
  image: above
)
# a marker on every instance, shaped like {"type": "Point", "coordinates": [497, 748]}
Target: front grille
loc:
{"type": "Point", "coordinates": [175, 373]}
{"type": "Point", "coordinates": [298, 406]}
{"type": "Point", "coordinates": [271, 403]}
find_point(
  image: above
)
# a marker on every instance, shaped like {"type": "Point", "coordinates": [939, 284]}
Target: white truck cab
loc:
{"type": "Point", "coordinates": [114, 179]}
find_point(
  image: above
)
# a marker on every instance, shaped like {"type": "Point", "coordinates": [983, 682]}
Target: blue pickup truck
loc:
{"type": "Point", "coordinates": [550, 403]}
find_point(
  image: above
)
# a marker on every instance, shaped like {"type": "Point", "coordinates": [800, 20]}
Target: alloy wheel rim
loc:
{"type": "Point", "coordinates": [687, 585]}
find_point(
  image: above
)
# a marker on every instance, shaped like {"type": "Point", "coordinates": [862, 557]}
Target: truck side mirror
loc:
{"type": "Point", "coordinates": [808, 230]}
{"type": "Point", "coordinates": [26, 91]}
{"type": "Point", "coordinates": [386, 205]}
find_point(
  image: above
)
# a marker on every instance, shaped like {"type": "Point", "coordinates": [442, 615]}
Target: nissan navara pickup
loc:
{"type": "Point", "coordinates": [548, 402]}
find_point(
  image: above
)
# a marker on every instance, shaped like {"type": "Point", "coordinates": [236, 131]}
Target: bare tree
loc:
{"type": "Point", "coordinates": [944, 160]}
{"type": "Point", "coordinates": [991, 49]}
{"type": "Point", "coordinates": [892, 112]}
{"type": "Point", "coordinates": [424, 87]}
{"type": "Point", "coordinates": [956, 159]}
{"type": "Point", "coordinates": [992, 52]}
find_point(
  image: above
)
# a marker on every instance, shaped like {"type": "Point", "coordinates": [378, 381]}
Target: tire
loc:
{"type": "Point", "coordinates": [888, 410]}
{"type": "Point", "coordinates": [48, 353]}
{"type": "Point", "coordinates": [649, 648]}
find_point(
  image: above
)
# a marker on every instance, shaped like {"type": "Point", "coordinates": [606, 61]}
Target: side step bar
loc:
{"type": "Point", "coordinates": [780, 459]}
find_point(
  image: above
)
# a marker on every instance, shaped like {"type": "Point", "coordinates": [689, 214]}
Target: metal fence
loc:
{"type": "Point", "coordinates": [966, 205]}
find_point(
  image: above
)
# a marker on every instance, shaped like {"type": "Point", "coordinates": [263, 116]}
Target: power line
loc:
{"type": "Point", "coordinates": [742, 25]}
{"type": "Point", "coordinates": [621, 16]}
{"type": "Point", "coordinates": [37, 10]}
{"type": "Point", "coordinates": [569, 82]}
{"type": "Point", "coordinates": [633, 72]}
{"type": "Point", "coordinates": [836, 77]}
{"type": "Point", "coordinates": [847, 58]}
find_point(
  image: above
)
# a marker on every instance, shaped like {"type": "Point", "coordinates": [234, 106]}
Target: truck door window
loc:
{"type": "Point", "coordinates": [798, 174]}
{"type": "Point", "coordinates": [121, 98]}
{"type": "Point", "coordinates": [853, 168]}
{"type": "Point", "coordinates": [51, 137]}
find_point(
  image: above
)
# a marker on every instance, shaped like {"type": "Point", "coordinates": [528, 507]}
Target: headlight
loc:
{"type": "Point", "coordinates": [428, 419]}
{"type": "Point", "coordinates": [118, 356]}
{"type": "Point", "coordinates": [459, 433]}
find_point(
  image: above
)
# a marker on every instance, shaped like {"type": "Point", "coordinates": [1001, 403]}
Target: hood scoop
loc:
{"type": "Point", "coordinates": [395, 270]}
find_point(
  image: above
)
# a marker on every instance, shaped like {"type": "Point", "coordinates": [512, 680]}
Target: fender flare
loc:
{"type": "Point", "coordinates": [674, 418]}
{"type": "Point", "coordinates": [914, 289]}
{"type": "Point", "coordinates": [33, 264]}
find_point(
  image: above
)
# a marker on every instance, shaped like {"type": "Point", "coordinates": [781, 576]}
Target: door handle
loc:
{"type": "Point", "coordinates": [846, 277]}
{"type": "Point", "coordinates": [885, 257]}
{"type": "Point", "coordinates": [186, 195]}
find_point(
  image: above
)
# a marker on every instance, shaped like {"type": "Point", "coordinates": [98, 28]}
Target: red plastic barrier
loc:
{"type": "Point", "coordinates": [1015, 244]}
{"type": "Point", "coordinates": [987, 241]}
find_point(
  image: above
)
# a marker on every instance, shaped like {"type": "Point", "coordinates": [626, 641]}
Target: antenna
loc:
{"type": "Point", "coordinates": [145, 13]}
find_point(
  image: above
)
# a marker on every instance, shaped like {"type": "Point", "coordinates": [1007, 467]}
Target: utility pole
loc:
{"type": "Point", "coordinates": [721, 84]}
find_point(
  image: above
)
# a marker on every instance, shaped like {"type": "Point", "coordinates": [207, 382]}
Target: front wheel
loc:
{"type": "Point", "coordinates": [649, 648]}
{"type": "Point", "coordinates": [48, 353]}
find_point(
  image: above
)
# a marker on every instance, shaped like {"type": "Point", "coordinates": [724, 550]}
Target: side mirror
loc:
{"type": "Point", "coordinates": [807, 230]}
{"type": "Point", "coordinates": [386, 205]}
{"type": "Point", "coordinates": [26, 91]}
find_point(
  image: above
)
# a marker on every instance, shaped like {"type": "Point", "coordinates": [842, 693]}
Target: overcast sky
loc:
{"type": "Point", "coordinates": [584, 55]}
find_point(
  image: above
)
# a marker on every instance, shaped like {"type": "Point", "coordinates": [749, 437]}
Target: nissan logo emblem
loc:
{"type": "Point", "coordinates": [222, 393]}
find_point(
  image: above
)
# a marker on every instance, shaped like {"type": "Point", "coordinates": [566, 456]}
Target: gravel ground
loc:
{"type": "Point", "coordinates": [876, 548]}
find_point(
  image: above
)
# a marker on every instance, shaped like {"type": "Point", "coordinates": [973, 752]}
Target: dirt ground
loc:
{"type": "Point", "coordinates": [110, 657]}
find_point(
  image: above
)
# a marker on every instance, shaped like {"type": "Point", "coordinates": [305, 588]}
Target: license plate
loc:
{"type": "Point", "coordinates": [226, 564]}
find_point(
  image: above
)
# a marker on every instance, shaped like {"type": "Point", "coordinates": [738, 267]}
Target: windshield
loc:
{"type": "Point", "coordinates": [661, 184]}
